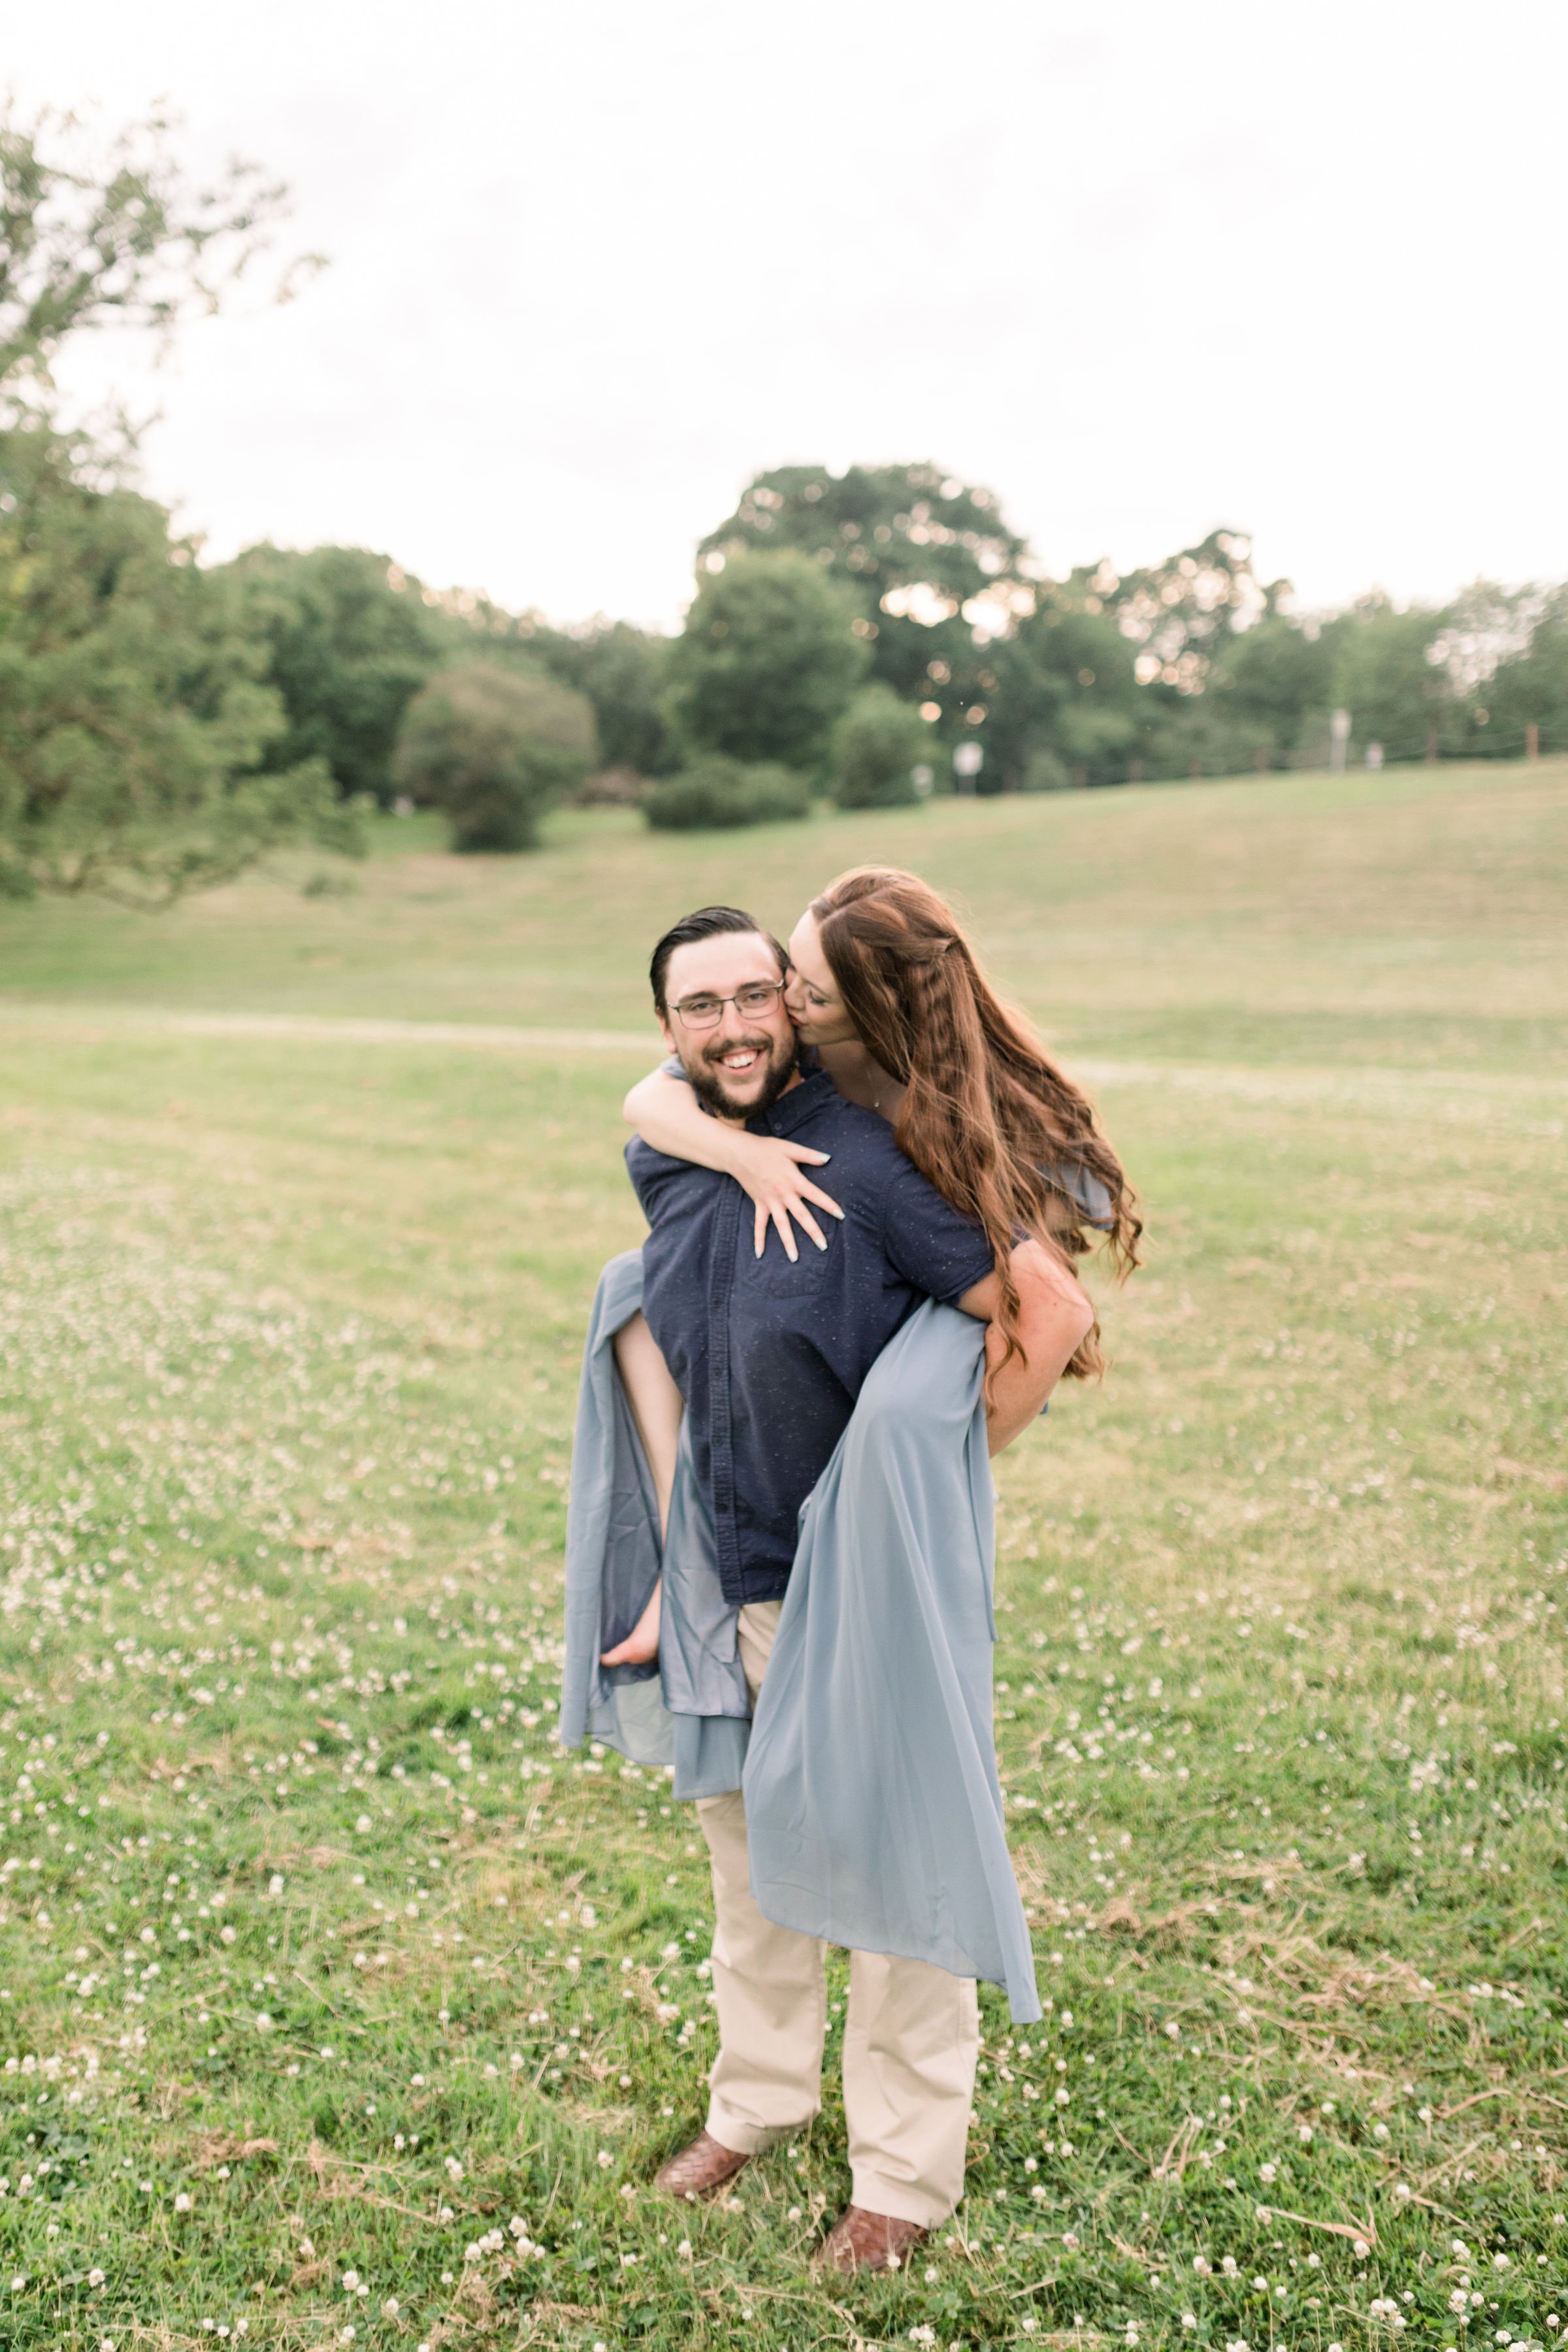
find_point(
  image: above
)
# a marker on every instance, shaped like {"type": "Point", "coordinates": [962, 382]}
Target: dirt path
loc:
{"type": "Point", "coordinates": [1456, 1095]}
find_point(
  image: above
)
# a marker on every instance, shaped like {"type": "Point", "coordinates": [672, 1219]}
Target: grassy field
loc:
{"type": "Point", "coordinates": [337, 2007]}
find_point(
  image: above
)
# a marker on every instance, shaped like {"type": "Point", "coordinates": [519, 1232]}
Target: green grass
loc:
{"type": "Point", "coordinates": [287, 1373]}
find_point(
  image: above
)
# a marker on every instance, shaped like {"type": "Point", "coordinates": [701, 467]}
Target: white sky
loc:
{"type": "Point", "coordinates": [1143, 268]}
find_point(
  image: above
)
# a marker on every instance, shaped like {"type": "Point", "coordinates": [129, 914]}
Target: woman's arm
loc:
{"type": "Point", "coordinates": [1053, 1317]}
{"type": "Point", "coordinates": [772, 1170]}
{"type": "Point", "coordinates": [657, 1406]}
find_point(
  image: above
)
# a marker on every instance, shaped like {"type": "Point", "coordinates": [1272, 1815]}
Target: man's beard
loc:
{"type": "Point", "coordinates": [708, 1080]}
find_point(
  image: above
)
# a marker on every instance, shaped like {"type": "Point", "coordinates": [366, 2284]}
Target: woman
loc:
{"type": "Point", "coordinates": [885, 988]}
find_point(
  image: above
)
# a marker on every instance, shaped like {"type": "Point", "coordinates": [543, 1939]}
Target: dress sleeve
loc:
{"type": "Point", "coordinates": [931, 1245]}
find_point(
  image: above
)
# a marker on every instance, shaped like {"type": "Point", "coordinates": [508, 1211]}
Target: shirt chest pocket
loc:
{"type": "Point", "coordinates": [773, 1277]}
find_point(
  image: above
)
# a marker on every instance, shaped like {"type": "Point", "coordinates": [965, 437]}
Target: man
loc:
{"type": "Point", "coordinates": [768, 1357]}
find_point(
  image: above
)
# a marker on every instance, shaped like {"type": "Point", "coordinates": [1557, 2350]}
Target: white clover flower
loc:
{"type": "Point", "coordinates": [182, 2203]}
{"type": "Point", "coordinates": [351, 2281]}
{"type": "Point", "coordinates": [454, 2169]}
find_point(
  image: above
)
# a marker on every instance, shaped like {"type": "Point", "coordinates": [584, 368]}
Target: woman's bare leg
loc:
{"type": "Point", "coordinates": [656, 1407]}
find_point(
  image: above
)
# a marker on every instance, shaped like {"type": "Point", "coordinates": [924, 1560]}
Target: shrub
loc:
{"type": "Point", "coordinates": [1047, 772]}
{"type": "Point", "coordinates": [493, 749]}
{"type": "Point", "coordinates": [720, 792]}
{"type": "Point", "coordinates": [876, 748]}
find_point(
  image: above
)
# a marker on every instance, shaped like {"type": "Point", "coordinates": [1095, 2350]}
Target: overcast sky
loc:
{"type": "Point", "coordinates": [1144, 269]}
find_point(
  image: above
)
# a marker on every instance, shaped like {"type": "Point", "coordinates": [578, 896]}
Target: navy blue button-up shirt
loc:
{"type": "Point", "coordinates": [769, 1356]}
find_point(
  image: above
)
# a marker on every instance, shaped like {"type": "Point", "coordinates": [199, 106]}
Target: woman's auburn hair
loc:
{"type": "Point", "coordinates": [986, 1117]}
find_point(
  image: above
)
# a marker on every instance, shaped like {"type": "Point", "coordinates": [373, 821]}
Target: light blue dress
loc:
{"type": "Point", "coordinates": [873, 1810]}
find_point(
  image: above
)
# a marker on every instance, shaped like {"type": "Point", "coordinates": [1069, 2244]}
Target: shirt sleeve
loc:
{"type": "Point", "coordinates": [931, 1245]}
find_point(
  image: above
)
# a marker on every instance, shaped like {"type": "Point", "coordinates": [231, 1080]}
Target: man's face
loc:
{"type": "Point", "coordinates": [746, 1060]}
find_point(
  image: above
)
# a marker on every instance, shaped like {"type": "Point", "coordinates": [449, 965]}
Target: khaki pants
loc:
{"type": "Point", "coordinates": [911, 2039]}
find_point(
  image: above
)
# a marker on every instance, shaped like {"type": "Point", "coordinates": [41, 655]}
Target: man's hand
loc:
{"type": "Point", "coordinates": [1054, 1316]}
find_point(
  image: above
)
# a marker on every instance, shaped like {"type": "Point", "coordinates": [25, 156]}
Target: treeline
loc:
{"type": "Point", "coordinates": [870, 635]}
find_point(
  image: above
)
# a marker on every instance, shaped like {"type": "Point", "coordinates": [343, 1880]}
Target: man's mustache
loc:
{"type": "Point", "coordinates": [765, 1047]}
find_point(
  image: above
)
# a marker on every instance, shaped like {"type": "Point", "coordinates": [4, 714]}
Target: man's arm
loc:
{"type": "Point", "coordinates": [1053, 1316]}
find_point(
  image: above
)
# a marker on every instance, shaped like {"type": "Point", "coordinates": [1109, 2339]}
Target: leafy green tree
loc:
{"type": "Point", "coordinates": [95, 235]}
{"type": "Point", "coordinates": [493, 748]}
{"type": "Point", "coordinates": [932, 566]}
{"type": "Point", "coordinates": [1386, 675]}
{"type": "Point", "coordinates": [767, 660]}
{"type": "Point", "coordinates": [136, 728]}
{"type": "Point", "coordinates": [1505, 651]}
{"type": "Point", "coordinates": [875, 749]}
{"type": "Point", "coordinates": [135, 722]}
{"type": "Point", "coordinates": [350, 641]}
{"type": "Point", "coordinates": [622, 670]}
{"type": "Point", "coordinates": [1275, 682]}
{"type": "Point", "coordinates": [1179, 616]}
{"type": "Point", "coordinates": [717, 793]}
{"type": "Point", "coordinates": [1065, 697]}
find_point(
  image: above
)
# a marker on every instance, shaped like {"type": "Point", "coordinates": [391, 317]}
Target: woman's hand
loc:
{"type": "Point", "coordinates": [772, 1171]}
{"type": "Point", "coordinates": [640, 1647]}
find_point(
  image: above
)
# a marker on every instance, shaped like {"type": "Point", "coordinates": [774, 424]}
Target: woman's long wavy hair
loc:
{"type": "Point", "coordinates": [986, 1115]}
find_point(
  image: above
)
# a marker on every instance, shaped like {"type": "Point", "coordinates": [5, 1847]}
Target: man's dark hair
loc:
{"type": "Point", "coordinates": [707, 923]}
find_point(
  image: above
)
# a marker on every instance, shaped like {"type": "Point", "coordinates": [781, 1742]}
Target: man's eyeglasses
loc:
{"type": "Point", "coordinates": [753, 1002]}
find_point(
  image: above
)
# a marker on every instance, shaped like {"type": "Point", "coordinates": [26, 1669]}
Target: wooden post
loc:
{"type": "Point", "coordinates": [1260, 761]}
{"type": "Point", "coordinates": [1431, 743]}
{"type": "Point", "coordinates": [1135, 772]}
{"type": "Point", "coordinates": [1533, 741]}
{"type": "Point", "coordinates": [1194, 768]}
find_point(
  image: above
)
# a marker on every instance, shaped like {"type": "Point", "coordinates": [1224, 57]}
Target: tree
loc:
{"type": "Point", "coordinates": [875, 749]}
{"type": "Point", "coordinates": [622, 671]}
{"type": "Point", "coordinates": [134, 717]}
{"type": "Point", "coordinates": [1273, 681]}
{"type": "Point", "coordinates": [350, 642]}
{"type": "Point", "coordinates": [1505, 651]}
{"type": "Point", "coordinates": [928, 559]}
{"type": "Point", "coordinates": [493, 748]}
{"type": "Point", "coordinates": [95, 235]}
{"type": "Point", "coordinates": [766, 662]}
{"type": "Point", "coordinates": [1064, 695]}
{"type": "Point", "coordinates": [1386, 675]}
{"type": "Point", "coordinates": [135, 725]}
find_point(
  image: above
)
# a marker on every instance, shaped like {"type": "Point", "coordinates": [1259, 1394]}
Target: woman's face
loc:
{"type": "Point", "coordinates": [811, 993]}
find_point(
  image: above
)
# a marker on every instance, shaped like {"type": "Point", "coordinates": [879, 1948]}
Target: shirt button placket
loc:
{"type": "Point", "coordinates": [721, 1284]}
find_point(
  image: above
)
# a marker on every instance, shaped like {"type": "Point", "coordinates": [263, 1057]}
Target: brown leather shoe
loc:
{"type": "Point", "coordinates": [860, 2241]}
{"type": "Point", "coordinates": [699, 2170]}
